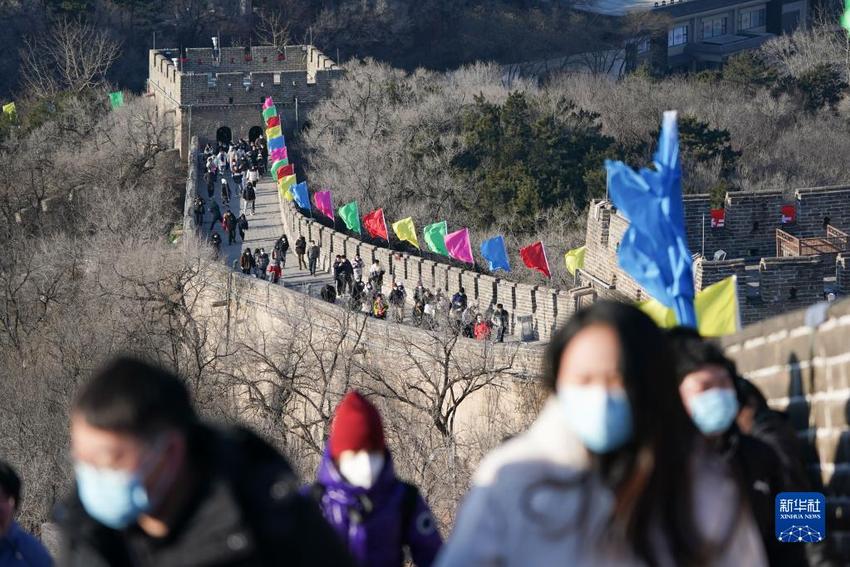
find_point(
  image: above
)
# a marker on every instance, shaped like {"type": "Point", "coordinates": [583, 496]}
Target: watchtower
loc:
{"type": "Point", "coordinates": [217, 93]}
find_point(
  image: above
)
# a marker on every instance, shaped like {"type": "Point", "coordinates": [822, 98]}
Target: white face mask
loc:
{"type": "Point", "coordinates": [361, 468]}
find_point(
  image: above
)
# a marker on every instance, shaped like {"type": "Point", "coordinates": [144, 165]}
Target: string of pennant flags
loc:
{"type": "Point", "coordinates": [457, 245]}
{"type": "Point", "coordinates": [437, 238]}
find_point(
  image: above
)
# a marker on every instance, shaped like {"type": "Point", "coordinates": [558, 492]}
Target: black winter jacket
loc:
{"type": "Point", "coordinates": [246, 511]}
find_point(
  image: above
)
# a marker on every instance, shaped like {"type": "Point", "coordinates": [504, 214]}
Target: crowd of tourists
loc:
{"type": "Point", "coordinates": [363, 292]}
{"type": "Point", "coordinates": [650, 450]}
{"type": "Point", "coordinates": [228, 166]}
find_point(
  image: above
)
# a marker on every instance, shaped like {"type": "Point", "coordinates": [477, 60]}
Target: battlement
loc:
{"type": "Point", "coordinates": [218, 94]}
{"type": "Point", "coordinates": [780, 263]}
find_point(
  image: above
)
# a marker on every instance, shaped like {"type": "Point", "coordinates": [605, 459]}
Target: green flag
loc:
{"type": "Point", "coordinates": [117, 99]}
{"type": "Point", "coordinates": [269, 112]}
{"type": "Point", "coordinates": [845, 18]}
{"type": "Point", "coordinates": [435, 237]}
{"type": "Point", "coordinates": [350, 215]}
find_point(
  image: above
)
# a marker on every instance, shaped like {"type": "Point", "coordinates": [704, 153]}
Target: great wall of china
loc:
{"type": "Point", "coordinates": [798, 357]}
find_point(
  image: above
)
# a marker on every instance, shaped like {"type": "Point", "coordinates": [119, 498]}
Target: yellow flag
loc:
{"type": "Point", "coordinates": [664, 317]}
{"type": "Point", "coordinates": [10, 110]}
{"type": "Point", "coordinates": [284, 183]}
{"type": "Point", "coordinates": [716, 307]}
{"type": "Point", "coordinates": [273, 132]}
{"type": "Point", "coordinates": [405, 230]}
{"type": "Point", "coordinates": [575, 259]}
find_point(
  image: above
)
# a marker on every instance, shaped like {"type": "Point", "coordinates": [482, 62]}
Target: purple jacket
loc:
{"type": "Point", "coordinates": [376, 538]}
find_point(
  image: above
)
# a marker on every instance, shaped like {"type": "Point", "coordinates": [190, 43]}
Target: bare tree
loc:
{"type": "Point", "coordinates": [72, 57]}
{"type": "Point", "coordinates": [435, 372]}
{"type": "Point", "coordinates": [272, 29]}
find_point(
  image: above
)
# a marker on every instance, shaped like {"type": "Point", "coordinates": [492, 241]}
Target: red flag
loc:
{"type": "Point", "coordinates": [789, 213]}
{"type": "Point", "coordinates": [285, 171]}
{"type": "Point", "coordinates": [375, 224]}
{"type": "Point", "coordinates": [718, 218]}
{"type": "Point", "coordinates": [273, 121]}
{"type": "Point", "coordinates": [534, 257]}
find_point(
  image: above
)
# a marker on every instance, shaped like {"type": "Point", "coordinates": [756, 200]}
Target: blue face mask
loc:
{"type": "Point", "coordinates": [601, 418]}
{"type": "Point", "coordinates": [115, 498]}
{"type": "Point", "coordinates": [714, 410]}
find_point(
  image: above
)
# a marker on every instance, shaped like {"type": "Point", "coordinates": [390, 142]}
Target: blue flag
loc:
{"type": "Point", "coordinates": [494, 251]}
{"type": "Point", "coordinates": [654, 250]}
{"type": "Point", "coordinates": [276, 143]}
{"type": "Point", "coordinates": [301, 195]}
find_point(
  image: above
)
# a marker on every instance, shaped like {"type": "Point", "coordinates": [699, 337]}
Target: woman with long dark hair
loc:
{"type": "Point", "coordinates": [612, 472]}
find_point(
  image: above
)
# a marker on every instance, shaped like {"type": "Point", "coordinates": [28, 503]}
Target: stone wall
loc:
{"type": "Point", "coordinates": [801, 361]}
{"type": "Point", "coordinates": [771, 286]}
{"type": "Point", "coordinates": [201, 97]}
{"type": "Point", "coordinates": [547, 307]}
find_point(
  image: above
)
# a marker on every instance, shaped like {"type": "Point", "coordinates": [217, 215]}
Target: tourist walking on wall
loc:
{"type": "Point", "coordinates": [275, 271]}
{"type": "Point", "coordinates": [250, 197]}
{"type": "Point", "coordinates": [242, 224]}
{"type": "Point", "coordinates": [379, 306]}
{"type": "Point", "coordinates": [17, 547]}
{"type": "Point", "coordinates": [313, 256]}
{"type": "Point", "coordinates": [300, 250]}
{"type": "Point", "coordinates": [229, 224]}
{"type": "Point", "coordinates": [612, 472]}
{"type": "Point", "coordinates": [706, 384]}
{"type": "Point", "coordinates": [378, 516]}
{"type": "Point", "coordinates": [225, 190]}
{"type": "Point", "coordinates": [500, 321]}
{"type": "Point", "coordinates": [253, 175]}
{"type": "Point", "coordinates": [246, 262]}
{"type": "Point", "coordinates": [357, 266]}
{"type": "Point", "coordinates": [263, 264]}
{"type": "Point", "coordinates": [199, 209]}
{"type": "Point", "coordinates": [376, 275]}
{"type": "Point", "coordinates": [215, 211]}
{"type": "Point", "coordinates": [397, 299]}
{"type": "Point", "coordinates": [281, 247]}
{"type": "Point", "coordinates": [209, 179]}
{"type": "Point", "coordinates": [155, 486]}
{"type": "Point", "coordinates": [215, 240]}
{"type": "Point", "coordinates": [339, 277]}
{"type": "Point", "coordinates": [482, 329]}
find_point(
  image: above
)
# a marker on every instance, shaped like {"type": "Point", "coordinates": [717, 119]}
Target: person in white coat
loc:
{"type": "Point", "coordinates": [612, 472]}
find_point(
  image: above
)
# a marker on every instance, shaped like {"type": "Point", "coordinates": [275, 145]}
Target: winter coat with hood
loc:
{"type": "Point", "coordinates": [371, 521]}
{"type": "Point", "coordinates": [536, 502]}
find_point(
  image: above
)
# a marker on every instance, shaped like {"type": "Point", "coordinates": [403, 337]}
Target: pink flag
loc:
{"type": "Point", "coordinates": [324, 203]}
{"type": "Point", "coordinates": [457, 243]}
{"type": "Point", "coordinates": [269, 102]}
{"type": "Point", "coordinates": [277, 155]}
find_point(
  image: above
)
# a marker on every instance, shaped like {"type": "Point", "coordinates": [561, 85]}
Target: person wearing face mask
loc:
{"type": "Point", "coordinates": [17, 547]}
{"type": "Point", "coordinates": [612, 472]}
{"type": "Point", "coordinates": [157, 487]}
{"type": "Point", "coordinates": [377, 515]}
{"type": "Point", "coordinates": [706, 384]}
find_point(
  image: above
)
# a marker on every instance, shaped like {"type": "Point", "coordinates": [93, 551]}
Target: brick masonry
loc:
{"type": "Point", "coordinates": [767, 285]}
{"type": "Point", "coordinates": [804, 369]}
{"type": "Point", "coordinates": [202, 96]}
{"type": "Point", "coordinates": [547, 307]}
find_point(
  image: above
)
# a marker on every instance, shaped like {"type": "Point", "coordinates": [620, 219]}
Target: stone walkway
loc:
{"type": "Point", "coordinates": [264, 228]}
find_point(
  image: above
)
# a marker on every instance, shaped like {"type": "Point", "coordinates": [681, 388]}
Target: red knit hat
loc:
{"type": "Point", "coordinates": [356, 426]}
